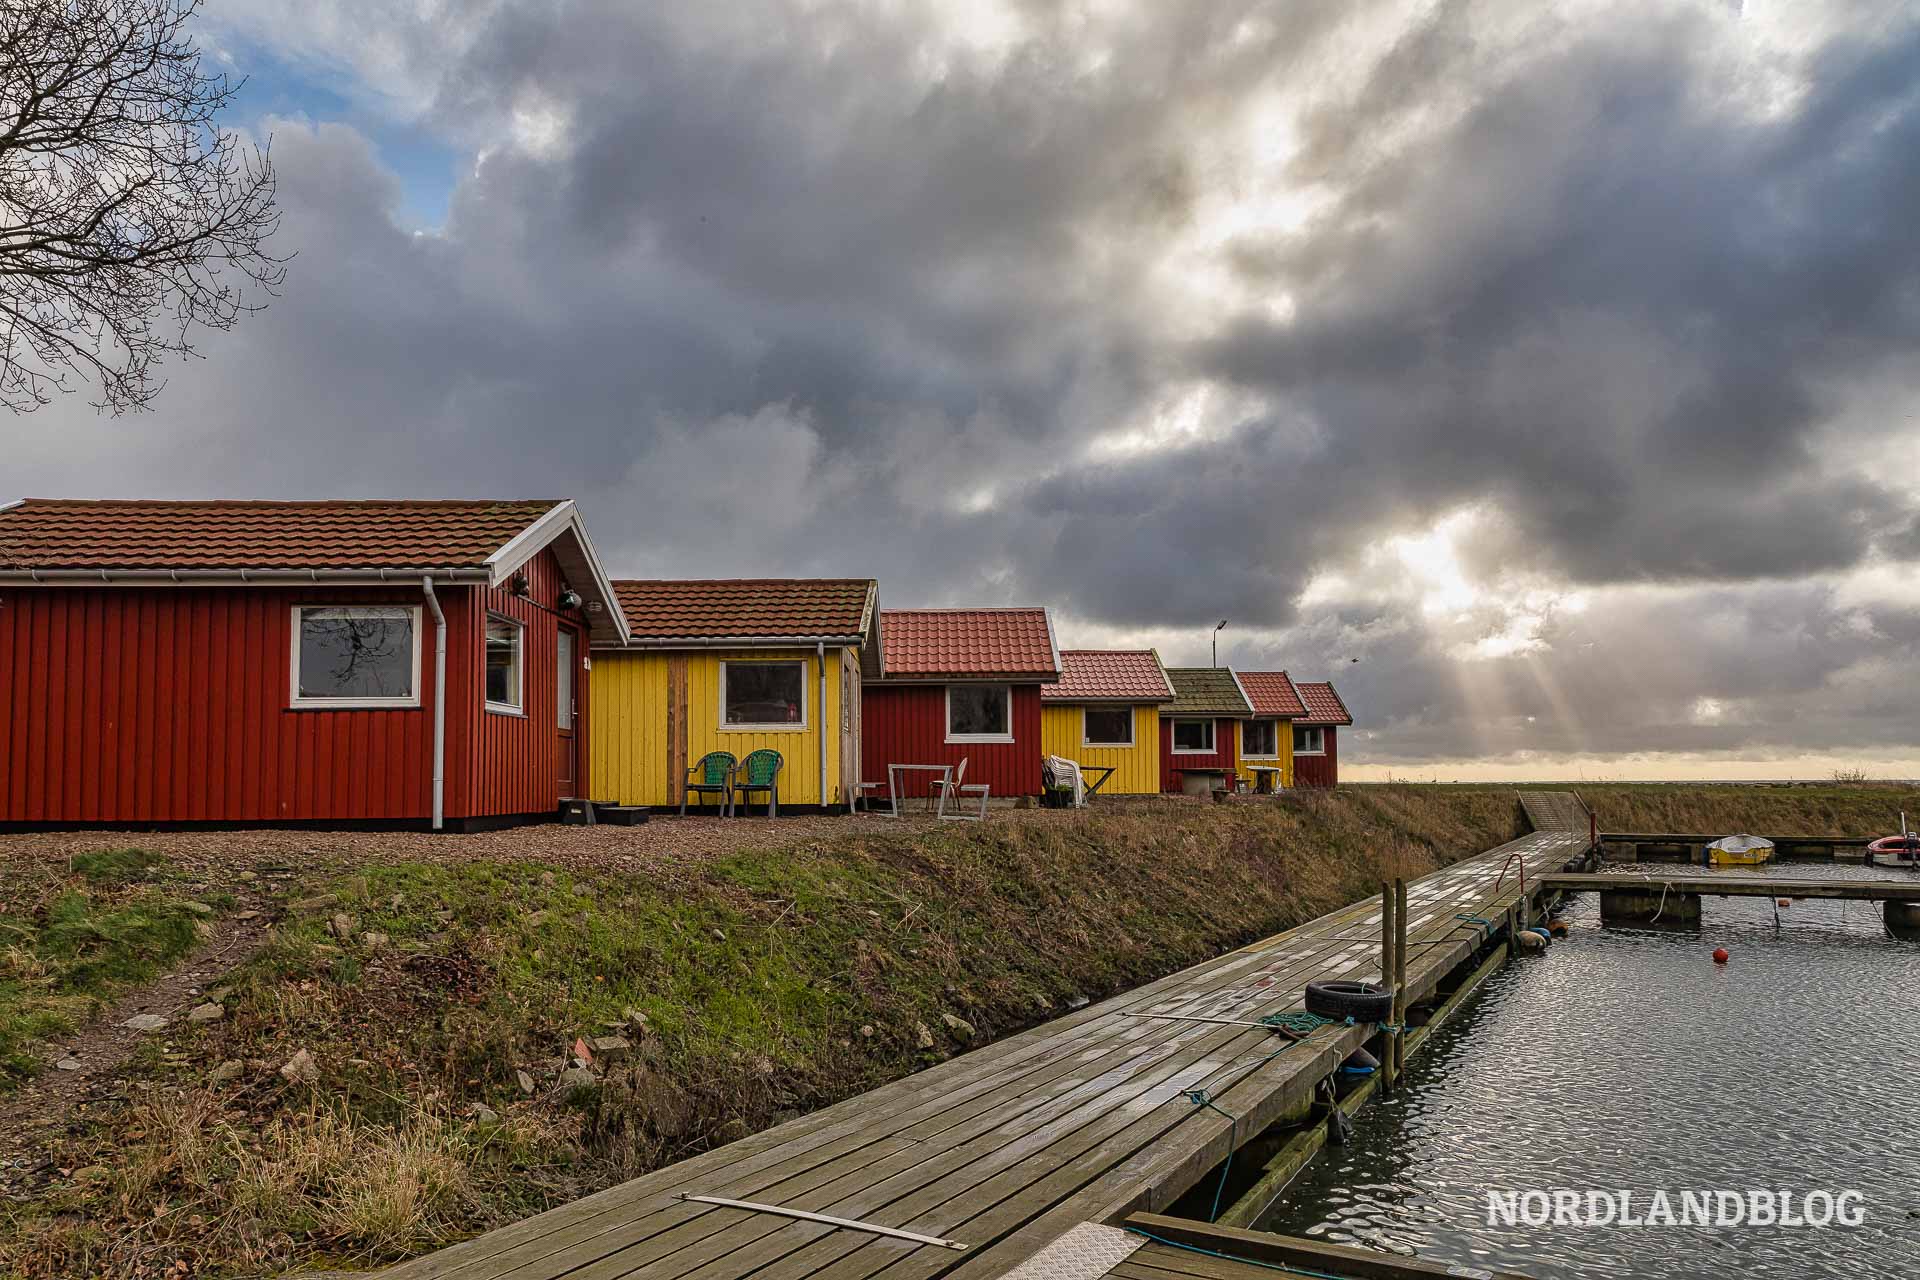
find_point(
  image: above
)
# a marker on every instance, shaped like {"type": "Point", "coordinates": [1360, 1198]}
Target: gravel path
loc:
{"type": "Point", "coordinates": [663, 841]}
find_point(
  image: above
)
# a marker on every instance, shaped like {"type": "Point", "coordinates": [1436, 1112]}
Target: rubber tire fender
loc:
{"type": "Point", "coordinates": [1361, 1001]}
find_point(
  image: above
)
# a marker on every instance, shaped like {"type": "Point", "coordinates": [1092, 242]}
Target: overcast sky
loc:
{"type": "Point", "coordinates": [1547, 380]}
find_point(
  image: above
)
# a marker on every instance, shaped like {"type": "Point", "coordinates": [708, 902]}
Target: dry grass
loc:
{"type": "Point", "coordinates": [1835, 810]}
{"type": "Point", "coordinates": [198, 1173]}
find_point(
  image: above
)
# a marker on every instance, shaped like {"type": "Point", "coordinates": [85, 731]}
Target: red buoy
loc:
{"type": "Point", "coordinates": [1719, 955]}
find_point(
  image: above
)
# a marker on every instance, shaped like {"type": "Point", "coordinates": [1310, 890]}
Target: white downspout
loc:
{"type": "Point", "coordinates": [439, 705]}
{"type": "Point", "coordinates": [820, 648]}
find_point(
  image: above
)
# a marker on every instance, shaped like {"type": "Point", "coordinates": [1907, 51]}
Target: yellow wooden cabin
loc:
{"type": "Point", "coordinates": [1105, 712]}
{"type": "Point", "coordinates": [1267, 739]}
{"type": "Point", "coordinates": [734, 665]}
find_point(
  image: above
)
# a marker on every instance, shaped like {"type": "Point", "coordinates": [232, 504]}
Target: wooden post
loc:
{"type": "Point", "coordinates": [1398, 1045]}
{"type": "Point", "coordinates": [1389, 943]}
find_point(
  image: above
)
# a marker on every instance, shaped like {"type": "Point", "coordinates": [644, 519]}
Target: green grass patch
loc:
{"type": "Point", "coordinates": [115, 866]}
{"type": "Point", "coordinates": [70, 943]}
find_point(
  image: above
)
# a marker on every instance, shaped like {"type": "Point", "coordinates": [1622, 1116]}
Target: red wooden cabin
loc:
{"type": "Point", "coordinates": [959, 684]}
{"type": "Point", "coordinates": [276, 662]}
{"type": "Point", "coordinates": [1316, 747]}
{"type": "Point", "coordinates": [1199, 729]}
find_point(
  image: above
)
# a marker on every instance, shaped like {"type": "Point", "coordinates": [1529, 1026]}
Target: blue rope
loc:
{"type": "Point", "coordinates": [1201, 1098]}
{"type": "Point", "coordinates": [1487, 925]}
{"type": "Point", "coordinates": [1215, 1253]}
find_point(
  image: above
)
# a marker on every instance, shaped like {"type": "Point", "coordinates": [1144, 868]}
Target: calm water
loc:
{"type": "Point", "coordinates": [1628, 1060]}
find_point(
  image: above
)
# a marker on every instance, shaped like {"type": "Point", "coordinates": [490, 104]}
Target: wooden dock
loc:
{"type": "Point", "coordinates": [1555, 811]}
{"type": "Point", "coordinates": [1087, 1119]}
{"type": "Point", "coordinates": [1739, 882]}
{"type": "Point", "coordinates": [1669, 846]}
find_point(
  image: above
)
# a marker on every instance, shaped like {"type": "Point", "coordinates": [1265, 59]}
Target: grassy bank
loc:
{"type": "Point", "coordinates": [76, 933]}
{"type": "Point", "coordinates": [439, 1005]}
{"type": "Point", "coordinates": [1851, 810]}
{"type": "Point", "coordinates": [393, 1069]}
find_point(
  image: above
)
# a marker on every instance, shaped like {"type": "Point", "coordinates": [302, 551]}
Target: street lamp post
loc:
{"type": "Point", "coordinates": [1216, 641]}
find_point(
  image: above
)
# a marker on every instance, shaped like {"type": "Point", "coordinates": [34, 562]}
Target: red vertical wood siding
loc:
{"type": "Point", "coordinates": [907, 724]}
{"type": "Point", "coordinates": [170, 705]}
{"type": "Point", "coordinates": [1226, 742]}
{"type": "Point", "coordinates": [1319, 771]}
{"type": "Point", "coordinates": [164, 704]}
{"type": "Point", "coordinates": [507, 763]}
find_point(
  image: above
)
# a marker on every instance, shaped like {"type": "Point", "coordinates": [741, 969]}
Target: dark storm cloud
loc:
{"type": "Point", "coordinates": [1609, 299]}
{"type": "Point", "coordinates": [825, 292]}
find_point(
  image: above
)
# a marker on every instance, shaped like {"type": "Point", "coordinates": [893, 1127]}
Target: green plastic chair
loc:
{"type": "Point", "coordinates": [760, 771]}
{"type": "Point", "coordinates": [711, 774]}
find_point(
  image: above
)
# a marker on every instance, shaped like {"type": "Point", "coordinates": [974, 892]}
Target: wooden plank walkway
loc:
{"type": "Point", "coordinates": [1554, 810]}
{"type": "Point", "coordinates": [1740, 883]}
{"type": "Point", "coordinates": [1087, 1118]}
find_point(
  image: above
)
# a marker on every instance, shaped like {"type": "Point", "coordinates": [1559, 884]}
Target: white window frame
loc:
{"type": "Point", "coordinates": [1213, 739]}
{"type": "Point", "coordinates": [784, 726]}
{"type": "Point", "coordinates": [517, 708]}
{"type": "Point", "coordinates": [1086, 738]}
{"type": "Point", "coordinates": [1317, 731]}
{"type": "Point", "coordinates": [1006, 691]}
{"type": "Point", "coordinates": [323, 703]}
{"type": "Point", "coordinates": [1247, 753]}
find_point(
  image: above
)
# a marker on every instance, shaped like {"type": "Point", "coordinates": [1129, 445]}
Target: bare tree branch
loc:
{"type": "Point", "coordinates": [127, 217]}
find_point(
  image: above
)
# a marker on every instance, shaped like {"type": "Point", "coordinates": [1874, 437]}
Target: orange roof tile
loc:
{"type": "Point", "coordinates": [1323, 704]}
{"type": "Point", "coordinates": [712, 609]}
{"type": "Point", "coordinates": [1109, 675]}
{"type": "Point", "coordinates": [968, 644]}
{"type": "Point", "coordinates": [1272, 693]}
{"type": "Point", "coordinates": [57, 533]}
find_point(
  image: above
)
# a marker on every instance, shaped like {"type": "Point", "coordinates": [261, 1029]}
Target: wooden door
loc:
{"type": "Point", "coordinates": [850, 764]}
{"type": "Point", "coordinates": [676, 729]}
{"type": "Point", "coordinates": [567, 713]}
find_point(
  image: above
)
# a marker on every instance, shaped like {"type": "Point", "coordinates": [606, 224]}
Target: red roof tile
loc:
{"type": "Point", "coordinates": [1109, 675]}
{"type": "Point", "coordinates": [757, 607]}
{"type": "Point", "coordinates": [1010, 644]}
{"type": "Point", "coordinates": [49, 533]}
{"type": "Point", "coordinates": [1272, 693]}
{"type": "Point", "coordinates": [1323, 704]}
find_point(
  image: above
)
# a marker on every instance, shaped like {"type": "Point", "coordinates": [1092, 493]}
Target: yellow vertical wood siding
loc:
{"type": "Point", "coordinates": [1283, 738]}
{"type": "Point", "coordinates": [1136, 769]}
{"type": "Point", "coordinates": [629, 724]}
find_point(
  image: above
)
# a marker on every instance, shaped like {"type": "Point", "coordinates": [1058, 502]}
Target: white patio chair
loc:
{"type": "Point", "coordinates": [955, 790]}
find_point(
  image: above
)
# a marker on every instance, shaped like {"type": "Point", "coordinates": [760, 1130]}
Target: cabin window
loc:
{"type": "Point", "coordinates": [505, 641]}
{"type": "Point", "coordinates": [1260, 738]}
{"type": "Point", "coordinates": [763, 695]}
{"type": "Point", "coordinates": [356, 656]}
{"type": "Point", "coordinates": [1309, 740]}
{"type": "Point", "coordinates": [979, 713]}
{"type": "Point", "coordinates": [1194, 737]}
{"type": "Point", "coordinates": [1108, 727]}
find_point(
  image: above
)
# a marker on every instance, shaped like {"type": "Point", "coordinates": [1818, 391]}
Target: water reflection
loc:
{"type": "Point", "coordinates": [1628, 1060]}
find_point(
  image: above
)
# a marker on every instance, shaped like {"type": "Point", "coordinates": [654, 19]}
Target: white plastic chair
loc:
{"type": "Point", "coordinates": [951, 801]}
